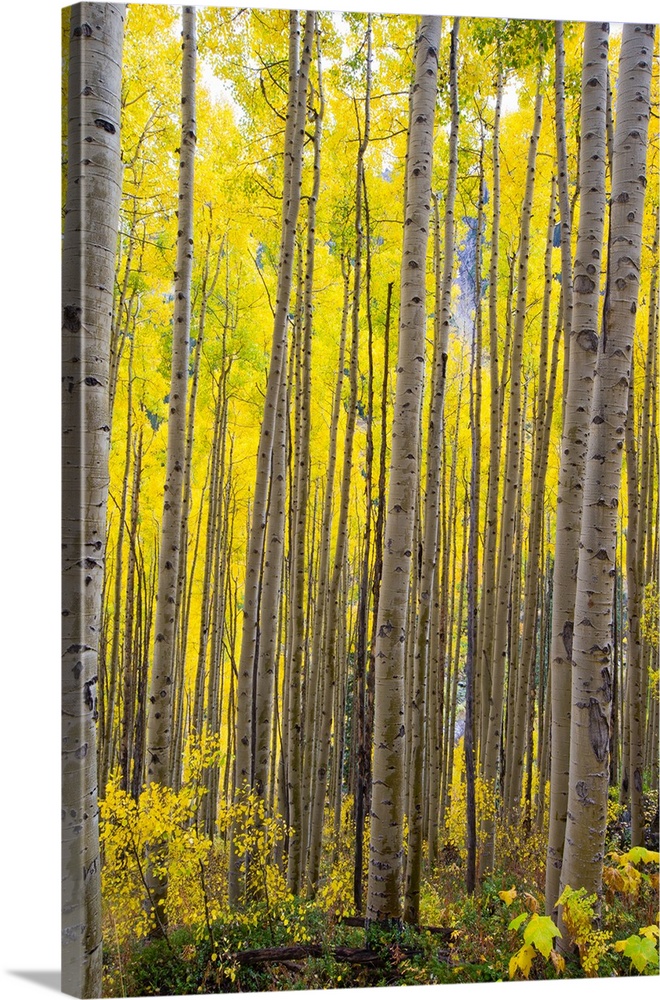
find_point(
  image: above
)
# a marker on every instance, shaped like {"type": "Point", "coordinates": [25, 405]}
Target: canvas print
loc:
{"type": "Point", "coordinates": [360, 499]}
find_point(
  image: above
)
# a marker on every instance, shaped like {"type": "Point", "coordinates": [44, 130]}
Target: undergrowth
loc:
{"type": "Point", "coordinates": [501, 932]}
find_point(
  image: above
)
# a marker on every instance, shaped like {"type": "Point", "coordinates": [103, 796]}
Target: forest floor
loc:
{"type": "Point", "coordinates": [496, 934]}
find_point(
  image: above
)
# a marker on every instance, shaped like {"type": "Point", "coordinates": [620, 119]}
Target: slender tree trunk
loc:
{"type": "Point", "coordinates": [330, 659]}
{"type": "Point", "coordinates": [362, 753]}
{"type": "Point", "coordinates": [298, 638]}
{"type": "Point", "coordinates": [533, 575]}
{"type": "Point", "coordinates": [88, 268]}
{"type": "Point", "coordinates": [293, 151]}
{"type": "Point", "coordinates": [364, 806]}
{"type": "Point", "coordinates": [582, 348]}
{"type": "Point", "coordinates": [635, 706]}
{"type": "Point", "coordinates": [432, 502]}
{"type": "Point", "coordinates": [386, 844]}
{"type": "Point", "coordinates": [106, 757]}
{"type": "Point", "coordinates": [647, 569]}
{"type": "Point", "coordinates": [472, 564]}
{"type": "Point", "coordinates": [429, 537]}
{"type": "Point", "coordinates": [592, 642]}
{"type": "Point", "coordinates": [159, 719]}
{"type": "Point", "coordinates": [483, 664]}
{"type": "Point", "coordinates": [509, 504]}
{"type": "Point", "coordinates": [269, 611]}
{"type": "Point", "coordinates": [323, 577]}
{"type": "Point", "coordinates": [639, 498]}
{"type": "Point", "coordinates": [130, 650]}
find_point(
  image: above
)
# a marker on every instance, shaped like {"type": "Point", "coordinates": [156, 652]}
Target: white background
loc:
{"type": "Point", "coordinates": [30, 490]}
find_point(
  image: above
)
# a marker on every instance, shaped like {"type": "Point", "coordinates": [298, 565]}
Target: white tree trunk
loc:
{"type": "Point", "coordinates": [386, 843]}
{"type": "Point", "coordinates": [88, 268]}
{"type": "Point", "coordinates": [592, 636]}
{"type": "Point", "coordinates": [159, 709]}
{"type": "Point", "coordinates": [581, 361]}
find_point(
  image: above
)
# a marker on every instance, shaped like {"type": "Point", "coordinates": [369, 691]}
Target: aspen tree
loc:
{"type": "Point", "coordinates": [508, 514]}
{"type": "Point", "coordinates": [639, 496]}
{"type": "Point", "coordinates": [582, 348]}
{"type": "Point", "coordinates": [565, 217]}
{"type": "Point", "coordinates": [634, 707]}
{"type": "Point", "coordinates": [362, 752]}
{"type": "Point", "coordinates": [647, 555]}
{"type": "Point", "coordinates": [386, 843]}
{"type": "Point", "coordinates": [88, 266]}
{"type": "Point", "coordinates": [300, 503]}
{"type": "Point", "coordinates": [211, 545]}
{"type": "Point", "coordinates": [453, 667]}
{"type": "Point", "coordinates": [472, 501]}
{"type": "Point", "coordinates": [187, 571]}
{"type": "Point", "coordinates": [483, 666]}
{"type": "Point", "coordinates": [330, 658]}
{"type": "Point", "coordinates": [130, 650]}
{"type": "Point", "coordinates": [269, 610]}
{"type": "Point", "coordinates": [375, 591]}
{"type": "Point", "coordinates": [515, 691]}
{"type": "Point", "coordinates": [293, 151]}
{"type": "Point", "coordinates": [312, 679]}
{"type": "Point", "coordinates": [435, 685]}
{"type": "Point", "coordinates": [107, 724]}
{"type": "Point", "coordinates": [159, 719]}
{"type": "Point", "coordinates": [545, 394]}
{"type": "Point", "coordinates": [591, 693]}
{"type": "Point", "coordinates": [429, 533]}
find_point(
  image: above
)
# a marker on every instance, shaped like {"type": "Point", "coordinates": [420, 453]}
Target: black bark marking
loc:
{"type": "Point", "coordinates": [567, 637]}
{"type": "Point", "coordinates": [105, 125]}
{"type": "Point", "coordinates": [607, 682]}
{"type": "Point", "coordinates": [587, 340]}
{"type": "Point", "coordinates": [82, 31]}
{"type": "Point", "coordinates": [88, 697]}
{"type": "Point", "coordinates": [72, 316]}
{"type": "Point", "coordinates": [583, 284]}
{"type": "Point", "coordinates": [599, 730]}
{"type": "Point", "coordinates": [582, 792]}
{"type": "Point", "coordinates": [90, 869]}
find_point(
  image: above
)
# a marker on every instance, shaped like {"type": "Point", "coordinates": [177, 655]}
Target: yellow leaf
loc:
{"type": "Point", "coordinates": [532, 902]}
{"type": "Point", "coordinates": [650, 932]}
{"type": "Point", "coordinates": [558, 960]}
{"type": "Point", "coordinates": [508, 895]}
{"type": "Point", "coordinates": [522, 960]}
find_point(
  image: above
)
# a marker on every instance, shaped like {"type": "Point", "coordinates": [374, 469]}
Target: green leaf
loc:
{"type": "Point", "coordinates": [541, 932]}
{"type": "Point", "coordinates": [640, 855]}
{"type": "Point", "coordinates": [517, 921]}
{"type": "Point", "coordinates": [641, 952]}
